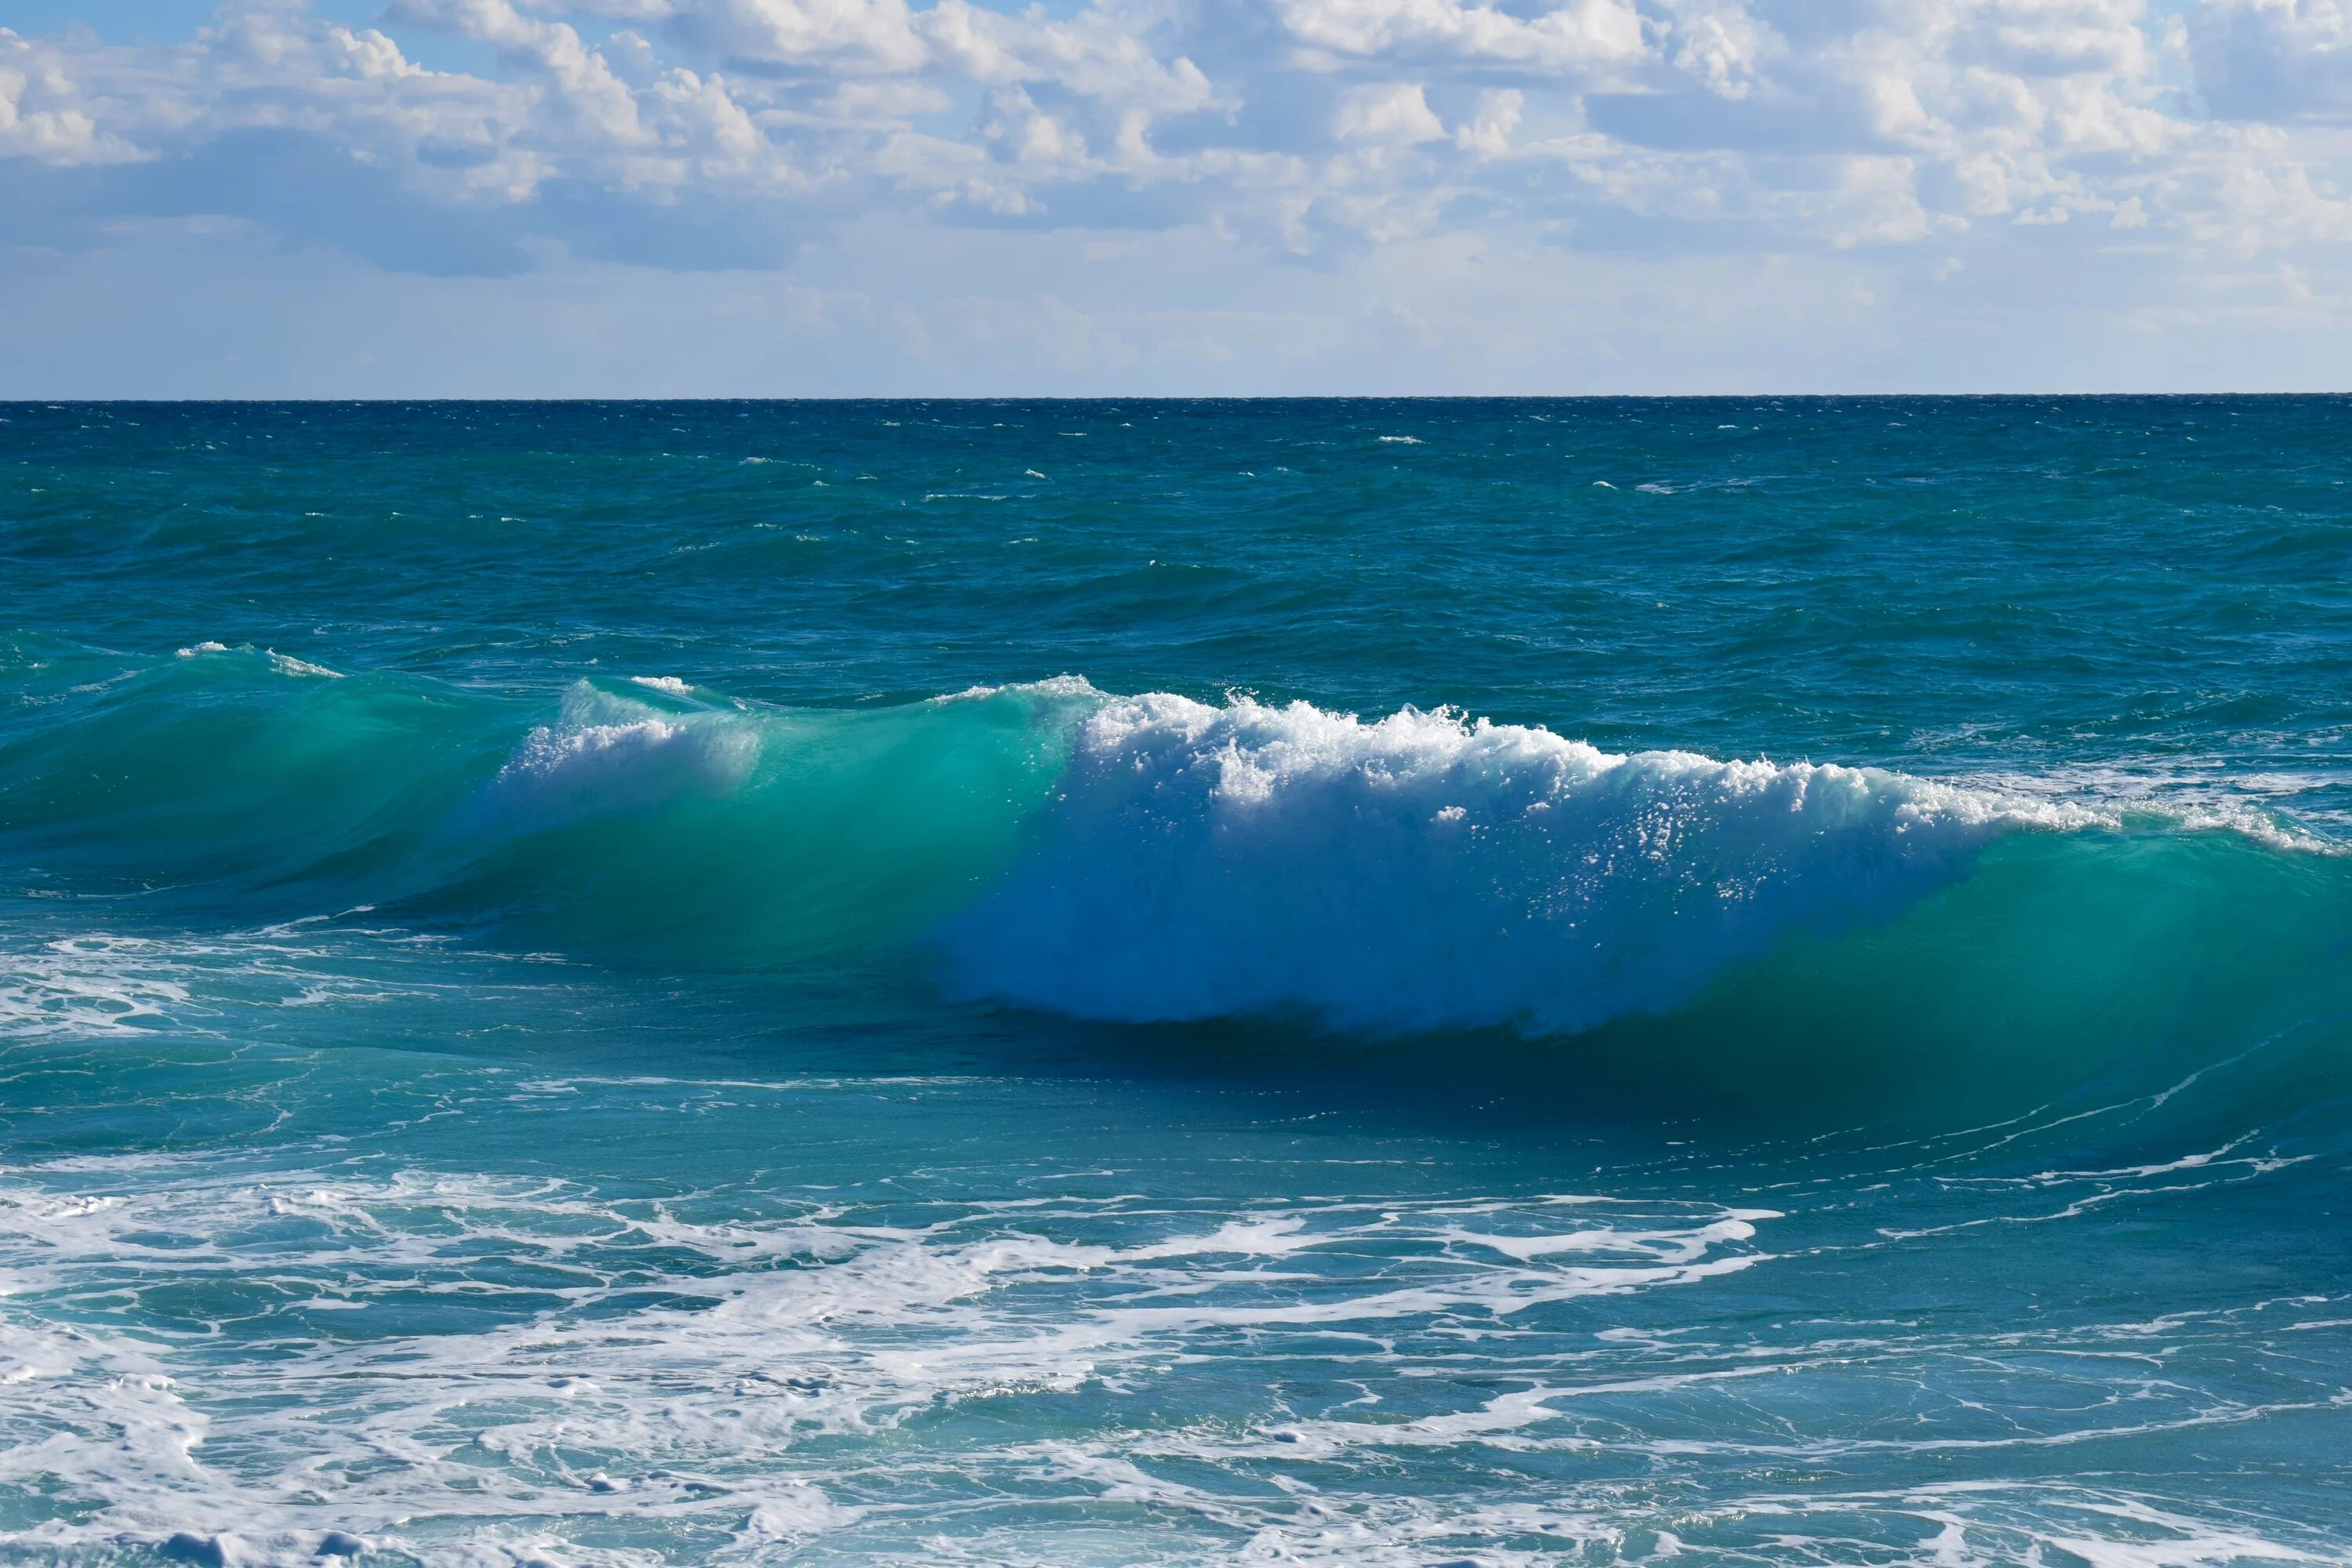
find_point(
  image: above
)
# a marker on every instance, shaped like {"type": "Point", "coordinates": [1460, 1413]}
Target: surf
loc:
{"type": "Point", "coordinates": [1159, 861]}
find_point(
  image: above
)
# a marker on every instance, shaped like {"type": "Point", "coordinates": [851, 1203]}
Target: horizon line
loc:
{"type": "Point", "coordinates": [32, 402]}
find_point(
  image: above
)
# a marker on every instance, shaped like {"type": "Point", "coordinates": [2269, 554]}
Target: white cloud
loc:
{"type": "Point", "coordinates": [2012, 137]}
{"type": "Point", "coordinates": [1489, 128]}
{"type": "Point", "coordinates": [876, 36]}
{"type": "Point", "coordinates": [1571, 36]}
{"type": "Point", "coordinates": [1396, 115]}
{"type": "Point", "coordinates": [41, 116]}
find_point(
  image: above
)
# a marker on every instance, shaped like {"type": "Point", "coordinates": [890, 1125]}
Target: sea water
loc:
{"type": "Point", "coordinates": [1357, 982]}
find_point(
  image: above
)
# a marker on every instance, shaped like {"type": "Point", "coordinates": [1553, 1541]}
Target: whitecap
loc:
{"type": "Point", "coordinates": [608, 754]}
{"type": "Point", "coordinates": [1424, 870]}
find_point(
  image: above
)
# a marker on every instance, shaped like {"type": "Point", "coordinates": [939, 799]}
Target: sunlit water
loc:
{"type": "Point", "coordinates": [1356, 983]}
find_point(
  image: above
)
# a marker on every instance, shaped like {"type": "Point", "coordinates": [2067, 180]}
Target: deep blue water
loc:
{"type": "Point", "coordinates": [1355, 984]}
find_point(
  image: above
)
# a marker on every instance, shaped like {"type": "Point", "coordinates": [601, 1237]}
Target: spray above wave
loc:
{"type": "Point", "coordinates": [1425, 871]}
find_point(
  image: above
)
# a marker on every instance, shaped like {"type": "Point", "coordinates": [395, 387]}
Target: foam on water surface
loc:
{"type": "Point", "coordinates": [890, 1362]}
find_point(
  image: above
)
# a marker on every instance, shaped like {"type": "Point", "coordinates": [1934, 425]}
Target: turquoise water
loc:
{"type": "Point", "coordinates": [1353, 983]}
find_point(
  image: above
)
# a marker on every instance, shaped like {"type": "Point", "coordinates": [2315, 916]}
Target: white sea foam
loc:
{"type": "Point", "coordinates": [100, 984]}
{"type": "Point", "coordinates": [691, 1378]}
{"type": "Point", "coordinates": [2194, 794]}
{"type": "Point", "coordinates": [86, 986]}
{"type": "Point", "coordinates": [646, 1379]}
{"type": "Point", "coordinates": [1424, 870]}
{"type": "Point", "coordinates": [262, 1349]}
{"type": "Point", "coordinates": [608, 754]}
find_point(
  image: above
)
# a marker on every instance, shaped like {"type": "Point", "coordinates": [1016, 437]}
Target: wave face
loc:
{"type": "Point", "coordinates": [638, 821]}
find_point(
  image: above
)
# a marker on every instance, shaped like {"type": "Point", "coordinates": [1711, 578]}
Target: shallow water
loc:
{"type": "Point", "coordinates": [1749, 981]}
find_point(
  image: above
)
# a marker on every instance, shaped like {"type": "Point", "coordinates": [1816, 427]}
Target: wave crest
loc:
{"type": "Point", "coordinates": [610, 754]}
{"type": "Point", "coordinates": [1426, 870]}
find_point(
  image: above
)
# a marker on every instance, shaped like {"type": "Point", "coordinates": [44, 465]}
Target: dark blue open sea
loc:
{"type": "Point", "coordinates": [1357, 983]}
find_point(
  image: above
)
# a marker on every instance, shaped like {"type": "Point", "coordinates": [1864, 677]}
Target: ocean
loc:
{"type": "Point", "coordinates": [1355, 983]}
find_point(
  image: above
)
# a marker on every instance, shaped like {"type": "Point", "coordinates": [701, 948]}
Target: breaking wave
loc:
{"type": "Point", "coordinates": [1155, 859]}
{"type": "Point", "coordinates": [1427, 871]}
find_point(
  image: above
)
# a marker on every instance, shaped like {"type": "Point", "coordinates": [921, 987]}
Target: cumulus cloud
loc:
{"type": "Point", "coordinates": [1570, 37]}
{"type": "Point", "coordinates": [1397, 115]}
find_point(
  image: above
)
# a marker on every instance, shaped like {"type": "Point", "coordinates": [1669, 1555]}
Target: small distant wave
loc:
{"type": "Point", "coordinates": [283, 663]}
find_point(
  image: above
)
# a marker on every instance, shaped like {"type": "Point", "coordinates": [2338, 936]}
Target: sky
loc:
{"type": "Point", "coordinates": [916, 197]}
